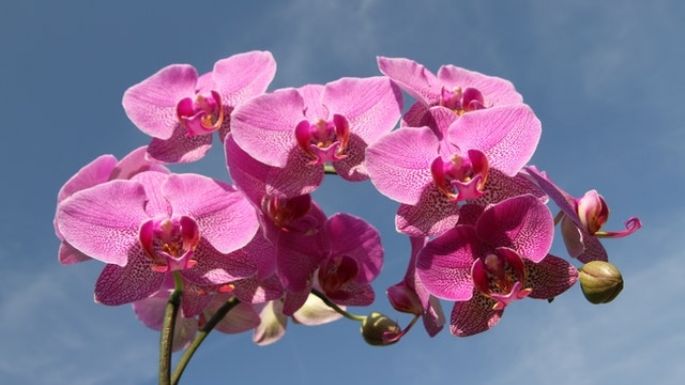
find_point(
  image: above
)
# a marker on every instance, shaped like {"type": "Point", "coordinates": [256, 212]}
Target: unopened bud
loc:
{"type": "Point", "coordinates": [379, 330]}
{"type": "Point", "coordinates": [600, 281]}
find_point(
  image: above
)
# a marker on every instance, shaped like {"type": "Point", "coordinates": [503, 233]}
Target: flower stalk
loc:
{"type": "Point", "coordinates": [167, 334]}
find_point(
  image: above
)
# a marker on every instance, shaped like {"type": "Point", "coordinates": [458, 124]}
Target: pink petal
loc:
{"type": "Point", "coordinates": [412, 77]}
{"type": "Point", "coordinates": [500, 187]}
{"type": "Point", "coordinates": [438, 119]}
{"type": "Point", "coordinates": [253, 290]}
{"type": "Point", "coordinates": [151, 104]}
{"type": "Point", "coordinates": [474, 316]}
{"type": "Point", "coordinates": [507, 135]}
{"type": "Point", "coordinates": [133, 282]}
{"type": "Point", "coordinates": [352, 167]}
{"type": "Point", "coordinates": [258, 179]}
{"type": "Point", "coordinates": [156, 204]}
{"type": "Point", "coordinates": [225, 217]}
{"type": "Point", "coordinates": [102, 221]}
{"type": "Point", "coordinates": [432, 215]}
{"type": "Point", "coordinates": [194, 299]}
{"type": "Point", "coordinates": [243, 76]}
{"type": "Point", "coordinates": [264, 127]}
{"type": "Point", "coordinates": [94, 173]}
{"type": "Point", "coordinates": [372, 106]}
{"type": "Point", "coordinates": [522, 223]}
{"type": "Point", "coordinates": [215, 268]}
{"type": "Point", "coordinates": [414, 115]}
{"type": "Point", "coordinates": [497, 91]}
{"type": "Point", "coordinates": [312, 95]}
{"type": "Point", "coordinates": [68, 255]}
{"type": "Point", "coordinates": [444, 265]}
{"type": "Point", "coordinates": [298, 257]}
{"type": "Point", "coordinates": [433, 317]}
{"type": "Point", "coordinates": [550, 277]}
{"type": "Point", "coordinates": [294, 300]}
{"type": "Point", "coordinates": [136, 162]}
{"type": "Point", "coordinates": [354, 294]}
{"type": "Point", "coordinates": [353, 237]}
{"type": "Point", "coordinates": [399, 163]}
{"type": "Point", "coordinates": [179, 147]}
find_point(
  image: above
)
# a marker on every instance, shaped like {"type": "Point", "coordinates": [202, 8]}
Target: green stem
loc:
{"type": "Point", "coordinates": [338, 309]}
{"type": "Point", "coordinates": [200, 337]}
{"type": "Point", "coordinates": [329, 169]}
{"type": "Point", "coordinates": [166, 340]}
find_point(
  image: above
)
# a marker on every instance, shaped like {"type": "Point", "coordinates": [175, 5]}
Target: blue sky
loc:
{"type": "Point", "coordinates": [605, 79]}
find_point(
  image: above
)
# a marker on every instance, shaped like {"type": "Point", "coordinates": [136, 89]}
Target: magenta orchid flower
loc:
{"type": "Point", "coordinates": [410, 296]}
{"type": "Point", "coordinates": [341, 260]}
{"type": "Point", "coordinates": [304, 129]}
{"type": "Point", "coordinates": [180, 109]}
{"type": "Point", "coordinates": [479, 157]}
{"type": "Point", "coordinates": [501, 258]}
{"type": "Point", "coordinates": [154, 225]}
{"type": "Point", "coordinates": [582, 220]}
{"type": "Point", "coordinates": [102, 169]}
{"type": "Point", "coordinates": [456, 89]}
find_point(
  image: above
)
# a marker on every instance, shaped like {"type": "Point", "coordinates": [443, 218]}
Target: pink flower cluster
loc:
{"type": "Point", "coordinates": [474, 212]}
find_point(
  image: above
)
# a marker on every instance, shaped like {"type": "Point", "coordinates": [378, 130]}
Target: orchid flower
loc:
{"type": "Point", "coordinates": [501, 257]}
{"type": "Point", "coordinates": [180, 109]}
{"type": "Point", "coordinates": [583, 218]}
{"type": "Point", "coordinates": [304, 129]}
{"type": "Point", "coordinates": [456, 89]}
{"type": "Point", "coordinates": [479, 157]}
{"type": "Point", "coordinates": [102, 169]}
{"type": "Point", "coordinates": [154, 225]}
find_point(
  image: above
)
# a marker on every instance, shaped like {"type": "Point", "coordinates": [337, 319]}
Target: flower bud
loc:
{"type": "Point", "coordinates": [600, 281]}
{"type": "Point", "coordinates": [379, 330]}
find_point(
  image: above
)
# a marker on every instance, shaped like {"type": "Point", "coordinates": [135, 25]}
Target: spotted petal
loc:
{"type": "Point", "coordinates": [412, 77]}
{"type": "Point", "coordinates": [474, 316]}
{"type": "Point", "coordinates": [549, 277]}
{"type": "Point", "coordinates": [243, 76]}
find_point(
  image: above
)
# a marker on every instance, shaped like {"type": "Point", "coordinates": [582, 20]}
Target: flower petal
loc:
{"type": "Point", "coordinates": [151, 104]}
{"type": "Point", "coordinates": [68, 255]}
{"type": "Point", "coordinates": [500, 187]}
{"type": "Point", "coordinates": [372, 106]}
{"type": "Point", "coordinates": [444, 264]}
{"type": "Point", "coordinates": [102, 222]}
{"type": "Point", "coordinates": [315, 312]}
{"type": "Point", "coordinates": [412, 77]}
{"type": "Point", "coordinates": [240, 319]}
{"type": "Point", "coordinates": [399, 163]}
{"type": "Point", "coordinates": [507, 135]}
{"type": "Point", "coordinates": [561, 198]}
{"type": "Point", "coordinates": [432, 215]}
{"type": "Point", "coordinates": [474, 316]}
{"type": "Point", "coordinates": [522, 223]}
{"type": "Point", "coordinates": [312, 96]}
{"type": "Point", "coordinates": [355, 238]}
{"type": "Point", "coordinates": [136, 162]}
{"type": "Point", "coordinates": [94, 173]}
{"type": "Point", "coordinates": [119, 285]}
{"type": "Point", "coordinates": [272, 325]}
{"type": "Point", "coordinates": [549, 277]}
{"type": "Point", "coordinates": [243, 76]}
{"type": "Point", "coordinates": [153, 181]}
{"type": "Point", "coordinates": [180, 147]}
{"type": "Point", "coordinates": [253, 290]}
{"type": "Point", "coordinates": [264, 127]}
{"type": "Point", "coordinates": [225, 217]}
{"type": "Point", "coordinates": [194, 299]}
{"type": "Point", "coordinates": [497, 91]}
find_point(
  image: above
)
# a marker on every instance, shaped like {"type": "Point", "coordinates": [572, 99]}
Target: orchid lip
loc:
{"type": "Point", "coordinates": [202, 115]}
{"type": "Point", "coordinates": [461, 101]}
{"type": "Point", "coordinates": [325, 140]}
{"type": "Point", "coordinates": [501, 276]}
{"type": "Point", "coordinates": [461, 178]}
{"type": "Point", "coordinates": [170, 243]}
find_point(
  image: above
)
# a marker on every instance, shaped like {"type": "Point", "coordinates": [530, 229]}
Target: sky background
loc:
{"type": "Point", "coordinates": [605, 78]}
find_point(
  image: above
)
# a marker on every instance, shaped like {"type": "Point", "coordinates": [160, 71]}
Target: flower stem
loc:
{"type": "Point", "coordinates": [338, 309]}
{"type": "Point", "coordinates": [200, 337]}
{"type": "Point", "coordinates": [329, 169]}
{"type": "Point", "coordinates": [166, 340]}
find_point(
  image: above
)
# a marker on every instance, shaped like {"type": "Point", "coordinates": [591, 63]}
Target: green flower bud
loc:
{"type": "Point", "coordinates": [600, 281]}
{"type": "Point", "coordinates": [379, 330]}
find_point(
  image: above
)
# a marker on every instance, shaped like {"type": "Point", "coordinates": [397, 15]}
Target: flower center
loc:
{"type": "Point", "coordinates": [202, 115]}
{"type": "Point", "coordinates": [325, 140]}
{"type": "Point", "coordinates": [501, 276]}
{"type": "Point", "coordinates": [462, 101]}
{"type": "Point", "coordinates": [461, 177]}
{"type": "Point", "coordinates": [170, 242]}
{"type": "Point", "coordinates": [334, 273]}
{"type": "Point", "coordinates": [289, 214]}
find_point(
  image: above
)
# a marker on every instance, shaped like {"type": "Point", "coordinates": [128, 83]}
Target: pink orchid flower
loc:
{"type": "Point", "coordinates": [180, 109]}
{"type": "Point", "coordinates": [478, 158]}
{"type": "Point", "coordinates": [500, 258]}
{"type": "Point", "coordinates": [456, 89]}
{"type": "Point", "coordinates": [102, 169]}
{"type": "Point", "coordinates": [303, 129]}
{"type": "Point", "coordinates": [410, 296]}
{"type": "Point", "coordinates": [583, 218]}
{"type": "Point", "coordinates": [153, 225]}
